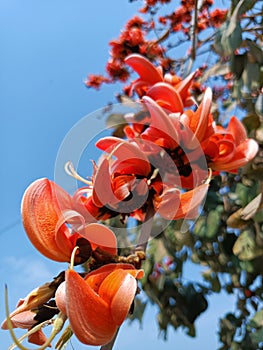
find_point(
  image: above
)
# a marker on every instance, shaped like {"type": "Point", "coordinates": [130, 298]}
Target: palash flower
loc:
{"type": "Point", "coordinates": [99, 303]}
{"type": "Point", "coordinates": [47, 211]}
{"type": "Point", "coordinates": [130, 185]}
{"type": "Point", "coordinates": [229, 149]}
{"type": "Point", "coordinates": [188, 135]}
{"type": "Point", "coordinates": [169, 91]}
{"type": "Point", "coordinates": [180, 135]}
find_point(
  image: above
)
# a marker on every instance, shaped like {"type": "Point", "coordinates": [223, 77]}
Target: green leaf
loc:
{"type": "Point", "coordinates": [242, 7]}
{"type": "Point", "coordinates": [216, 70]}
{"type": "Point", "coordinates": [250, 77]}
{"type": "Point", "coordinates": [257, 336]}
{"type": "Point", "coordinates": [245, 247]}
{"type": "Point", "coordinates": [257, 320]}
{"type": "Point", "coordinates": [213, 223]}
{"type": "Point", "coordinates": [200, 227]}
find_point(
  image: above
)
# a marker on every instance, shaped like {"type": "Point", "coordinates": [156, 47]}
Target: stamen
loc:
{"type": "Point", "coordinates": [209, 176]}
{"type": "Point", "coordinates": [109, 157]}
{"type": "Point", "coordinates": [154, 174]}
{"type": "Point", "coordinates": [69, 169]}
{"type": "Point", "coordinates": [72, 259]}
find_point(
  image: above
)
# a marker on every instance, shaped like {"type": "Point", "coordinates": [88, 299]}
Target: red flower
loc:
{"type": "Point", "coordinates": [169, 91]}
{"type": "Point", "coordinates": [129, 184]}
{"type": "Point", "coordinates": [47, 211]}
{"type": "Point", "coordinates": [230, 149]}
{"type": "Point", "coordinates": [98, 304]}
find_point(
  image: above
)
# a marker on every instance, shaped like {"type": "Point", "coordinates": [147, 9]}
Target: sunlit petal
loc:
{"type": "Point", "coordinates": [89, 315]}
{"type": "Point", "coordinates": [100, 236]}
{"type": "Point", "coordinates": [160, 121]}
{"type": "Point", "coordinates": [146, 70]}
{"type": "Point", "coordinates": [118, 290]}
{"type": "Point", "coordinates": [166, 96]}
{"type": "Point", "coordinates": [42, 207]}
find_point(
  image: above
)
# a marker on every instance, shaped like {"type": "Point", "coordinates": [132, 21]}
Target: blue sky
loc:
{"type": "Point", "coordinates": [47, 48]}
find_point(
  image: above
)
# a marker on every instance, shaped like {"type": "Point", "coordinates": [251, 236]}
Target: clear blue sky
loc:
{"type": "Point", "coordinates": [47, 48]}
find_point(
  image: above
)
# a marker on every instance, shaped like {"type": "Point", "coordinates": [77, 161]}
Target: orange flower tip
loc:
{"type": "Point", "coordinates": [101, 236]}
{"type": "Point", "coordinates": [60, 297]}
{"type": "Point", "coordinates": [41, 209]}
{"type": "Point", "coordinates": [146, 70]}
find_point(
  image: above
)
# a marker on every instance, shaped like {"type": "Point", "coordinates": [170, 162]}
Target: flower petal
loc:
{"type": "Point", "coordinates": [89, 315]}
{"type": "Point", "coordinates": [183, 86]}
{"type": "Point", "coordinates": [237, 129]}
{"type": "Point", "coordinates": [146, 70]}
{"type": "Point", "coordinates": [190, 202]}
{"type": "Point", "coordinates": [102, 190]}
{"type": "Point", "coordinates": [118, 290]}
{"type": "Point", "coordinates": [100, 236]}
{"type": "Point", "coordinates": [166, 96]}
{"type": "Point", "coordinates": [130, 159]}
{"type": "Point", "coordinates": [245, 152]}
{"type": "Point", "coordinates": [42, 206]}
{"type": "Point", "coordinates": [160, 121]}
{"type": "Point", "coordinates": [200, 120]}
{"type": "Point", "coordinates": [96, 277]}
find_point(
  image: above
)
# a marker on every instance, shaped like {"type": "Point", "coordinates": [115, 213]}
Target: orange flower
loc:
{"type": "Point", "coordinates": [141, 175]}
{"type": "Point", "coordinates": [47, 212]}
{"type": "Point", "coordinates": [229, 149]}
{"type": "Point", "coordinates": [98, 304]}
{"type": "Point", "coordinates": [169, 91]}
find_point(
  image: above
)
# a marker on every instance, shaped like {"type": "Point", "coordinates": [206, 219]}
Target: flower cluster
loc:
{"type": "Point", "coordinates": [181, 18]}
{"type": "Point", "coordinates": [160, 168]}
{"type": "Point", "coordinates": [95, 303]}
{"type": "Point", "coordinates": [136, 37]}
{"type": "Point", "coordinates": [131, 40]}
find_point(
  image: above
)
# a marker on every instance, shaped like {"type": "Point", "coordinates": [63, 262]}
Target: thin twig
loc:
{"type": "Point", "coordinates": [110, 345]}
{"type": "Point", "coordinates": [146, 229]}
{"type": "Point", "coordinates": [194, 31]}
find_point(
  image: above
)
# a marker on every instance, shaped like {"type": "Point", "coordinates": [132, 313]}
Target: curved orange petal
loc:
{"type": "Point", "coordinates": [96, 277]}
{"type": "Point", "coordinates": [199, 121]}
{"type": "Point", "coordinates": [245, 152]}
{"type": "Point", "coordinates": [102, 193]}
{"type": "Point", "coordinates": [37, 338]}
{"type": "Point", "coordinates": [166, 96]}
{"type": "Point", "coordinates": [130, 159]}
{"type": "Point", "coordinates": [190, 202]}
{"type": "Point", "coordinates": [42, 206]}
{"type": "Point", "coordinates": [60, 297]}
{"type": "Point", "coordinates": [100, 236]}
{"type": "Point", "coordinates": [183, 86]}
{"type": "Point", "coordinates": [24, 319]}
{"type": "Point", "coordinates": [160, 120]}
{"type": "Point", "coordinates": [167, 203]}
{"type": "Point", "coordinates": [237, 130]}
{"type": "Point", "coordinates": [146, 70]}
{"type": "Point", "coordinates": [89, 315]}
{"type": "Point", "coordinates": [118, 290]}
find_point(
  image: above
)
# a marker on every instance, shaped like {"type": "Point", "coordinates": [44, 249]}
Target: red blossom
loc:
{"type": "Point", "coordinates": [95, 81]}
{"type": "Point", "coordinates": [117, 71]}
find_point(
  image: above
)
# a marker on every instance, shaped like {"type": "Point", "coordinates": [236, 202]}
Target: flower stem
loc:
{"type": "Point", "coordinates": [110, 345]}
{"type": "Point", "coordinates": [146, 229]}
